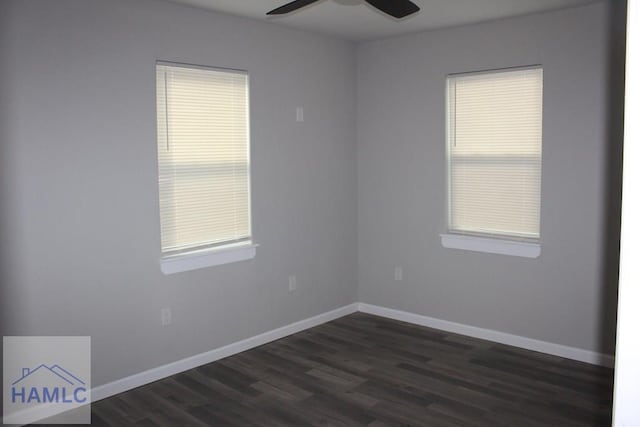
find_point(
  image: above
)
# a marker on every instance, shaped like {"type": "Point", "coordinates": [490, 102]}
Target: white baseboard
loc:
{"type": "Point", "coordinates": [155, 374]}
{"type": "Point", "coordinates": [573, 353]}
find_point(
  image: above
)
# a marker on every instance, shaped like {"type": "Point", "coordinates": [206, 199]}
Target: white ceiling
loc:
{"type": "Point", "coordinates": [355, 20]}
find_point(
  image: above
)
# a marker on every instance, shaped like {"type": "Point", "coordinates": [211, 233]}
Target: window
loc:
{"type": "Point", "coordinates": [203, 164]}
{"type": "Point", "coordinates": [494, 154]}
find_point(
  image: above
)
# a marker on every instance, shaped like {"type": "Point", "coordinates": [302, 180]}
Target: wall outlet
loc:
{"type": "Point", "coordinates": [397, 274]}
{"type": "Point", "coordinates": [165, 316]}
{"type": "Point", "coordinates": [293, 283]}
{"type": "Point", "coordinates": [299, 114]}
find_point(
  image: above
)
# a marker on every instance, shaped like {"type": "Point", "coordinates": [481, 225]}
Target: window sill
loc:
{"type": "Point", "coordinates": [202, 259]}
{"type": "Point", "coordinates": [491, 245]}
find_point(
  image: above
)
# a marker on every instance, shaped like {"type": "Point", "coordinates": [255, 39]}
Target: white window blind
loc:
{"type": "Point", "coordinates": [494, 153]}
{"type": "Point", "coordinates": [203, 157]}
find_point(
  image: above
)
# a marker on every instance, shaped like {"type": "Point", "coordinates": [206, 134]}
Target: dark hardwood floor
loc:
{"type": "Point", "coordinates": [363, 370]}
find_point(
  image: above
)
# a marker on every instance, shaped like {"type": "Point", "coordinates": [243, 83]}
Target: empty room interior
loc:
{"type": "Point", "coordinates": [354, 213]}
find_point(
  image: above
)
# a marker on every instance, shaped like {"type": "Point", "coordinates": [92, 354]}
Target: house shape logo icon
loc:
{"type": "Point", "coordinates": [48, 384]}
{"type": "Point", "coordinates": [56, 370]}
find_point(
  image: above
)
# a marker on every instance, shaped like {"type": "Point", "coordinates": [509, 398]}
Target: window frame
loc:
{"type": "Point", "coordinates": [494, 243]}
{"type": "Point", "coordinates": [201, 256]}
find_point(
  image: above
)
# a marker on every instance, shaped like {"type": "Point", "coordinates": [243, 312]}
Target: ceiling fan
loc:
{"type": "Point", "coordinates": [396, 8]}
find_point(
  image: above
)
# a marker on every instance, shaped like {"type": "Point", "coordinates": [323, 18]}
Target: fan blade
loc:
{"type": "Point", "coordinates": [290, 7]}
{"type": "Point", "coordinates": [396, 8]}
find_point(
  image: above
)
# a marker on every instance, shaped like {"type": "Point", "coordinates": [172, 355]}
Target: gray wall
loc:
{"type": "Point", "coordinates": [567, 295]}
{"type": "Point", "coordinates": [80, 226]}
